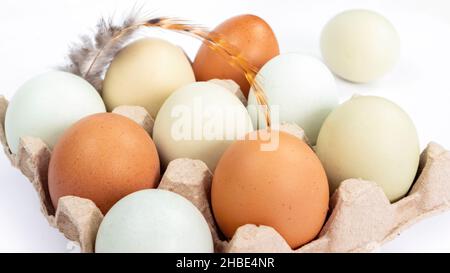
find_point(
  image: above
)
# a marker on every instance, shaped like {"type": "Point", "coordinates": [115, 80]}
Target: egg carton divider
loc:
{"type": "Point", "coordinates": [361, 219]}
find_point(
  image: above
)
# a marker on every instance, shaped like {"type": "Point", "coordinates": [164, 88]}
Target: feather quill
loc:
{"type": "Point", "coordinates": [90, 58]}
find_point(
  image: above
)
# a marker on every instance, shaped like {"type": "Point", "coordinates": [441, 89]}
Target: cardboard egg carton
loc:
{"type": "Point", "coordinates": [361, 218]}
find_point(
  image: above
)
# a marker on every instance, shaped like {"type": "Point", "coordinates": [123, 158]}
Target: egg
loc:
{"type": "Point", "coordinates": [45, 106]}
{"type": "Point", "coordinates": [370, 138]}
{"type": "Point", "coordinates": [285, 188]}
{"type": "Point", "coordinates": [145, 73]}
{"type": "Point", "coordinates": [299, 89]}
{"type": "Point", "coordinates": [360, 45]}
{"type": "Point", "coordinates": [154, 221]}
{"type": "Point", "coordinates": [199, 121]}
{"type": "Point", "coordinates": [251, 36]}
{"type": "Point", "coordinates": [103, 157]}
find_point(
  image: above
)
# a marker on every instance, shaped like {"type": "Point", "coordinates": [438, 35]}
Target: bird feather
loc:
{"type": "Point", "coordinates": [92, 55]}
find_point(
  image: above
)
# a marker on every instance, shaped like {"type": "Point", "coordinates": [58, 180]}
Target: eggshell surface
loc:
{"type": "Point", "coordinates": [370, 138]}
{"type": "Point", "coordinates": [360, 45]}
{"type": "Point", "coordinates": [199, 121]}
{"type": "Point", "coordinates": [285, 188]}
{"type": "Point", "coordinates": [299, 89]}
{"type": "Point", "coordinates": [145, 73]}
{"type": "Point", "coordinates": [251, 36]}
{"type": "Point", "coordinates": [45, 106]}
{"type": "Point", "coordinates": [103, 157]}
{"type": "Point", "coordinates": [154, 221]}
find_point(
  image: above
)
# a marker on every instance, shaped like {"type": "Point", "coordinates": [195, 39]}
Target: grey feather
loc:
{"type": "Point", "coordinates": [104, 45]}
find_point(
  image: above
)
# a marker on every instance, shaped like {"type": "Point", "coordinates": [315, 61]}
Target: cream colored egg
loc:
{"type": "Point", "coordinates": [360, 45]}
{"type": "Point", "coordinates": [370, 138]}
{"type": "Point", "coordinates": [145, 73]}
{"type": "Point", "coordinates": [199, 121]}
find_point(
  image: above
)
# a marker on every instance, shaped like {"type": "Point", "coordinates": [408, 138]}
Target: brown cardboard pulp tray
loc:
{"type": "Point", "coordinates": [361, 218]}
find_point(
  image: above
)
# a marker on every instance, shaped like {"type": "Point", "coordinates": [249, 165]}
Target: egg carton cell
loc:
{"type": "Point", "coordinates": [349, 226]}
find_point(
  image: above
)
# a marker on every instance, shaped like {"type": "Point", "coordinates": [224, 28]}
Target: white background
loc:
{"type": "Point", "coordinates": [34, 36]}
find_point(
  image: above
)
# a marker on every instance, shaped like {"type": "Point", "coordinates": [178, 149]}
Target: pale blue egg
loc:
{"type": "Point", "coordinates": [45, 106]}
{"type": "Point", "coordinates": [154, 221]}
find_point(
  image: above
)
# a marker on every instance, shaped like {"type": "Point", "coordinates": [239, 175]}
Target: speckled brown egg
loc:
{"type": "Point", "coordinates": [252, 36]}
{"type": "Point", "coordinates": [103, 157]}
{"type": "Point", "coordinates": [285, 188]}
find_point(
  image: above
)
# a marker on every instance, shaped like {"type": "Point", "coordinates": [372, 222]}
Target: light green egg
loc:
{"type": "Point", "coordinates": [154, 221]}
{"type": "Point", "coordinates": [370, 138]}
{"type": "Point", "coordinates": [360, 45]}
{"type": "Point", "coordinates": [45, 106]}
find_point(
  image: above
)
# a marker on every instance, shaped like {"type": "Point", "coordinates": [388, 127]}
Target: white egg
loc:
{"type": "Point", "coordinates": [199, 121]}
{"type": "Point", "coordinates": [360, 45]}
{"type": "Point", "coordinates": [154, 221]}
{"type": "Point", "coordinates": [299, 89]}
{"type": "Point", "coordinates": [45, 106]}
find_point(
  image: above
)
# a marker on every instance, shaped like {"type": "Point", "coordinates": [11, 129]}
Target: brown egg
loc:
{"type": "Point", "coordinates": [103, 157]}
{"type": "Point", "coordinates": [248, 33]}
{"type": "Point", "coordinates": [285, 189]}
